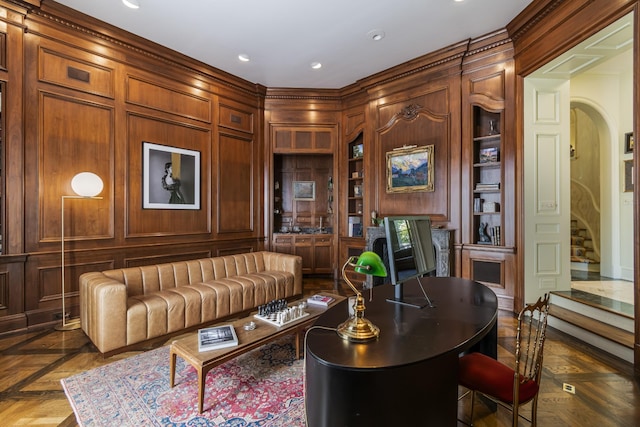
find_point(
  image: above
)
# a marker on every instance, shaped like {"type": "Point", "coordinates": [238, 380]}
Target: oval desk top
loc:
{"type": "Point", "coordinates": [464, 312]}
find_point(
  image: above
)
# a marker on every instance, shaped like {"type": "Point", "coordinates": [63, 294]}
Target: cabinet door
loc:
{"type": "Point", "coordinates": [304, 248]}
{"type": "Point", "coordinates": [283, 244]}
{"type": "Point", "coordinates": [322, 255]}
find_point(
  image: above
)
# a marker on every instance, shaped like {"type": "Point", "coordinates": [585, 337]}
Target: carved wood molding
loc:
{"type": "Point", "coordinates": [409, 113]}
{"type": "Point", "coordinates": [517, 32]}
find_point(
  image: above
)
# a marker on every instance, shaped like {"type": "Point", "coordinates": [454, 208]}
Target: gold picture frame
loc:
{"type": "Point", "coordinates": [410, 169]}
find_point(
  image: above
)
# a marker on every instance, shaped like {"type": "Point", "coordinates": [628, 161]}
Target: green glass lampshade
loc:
{"type": "Point", "coordinates": [370, 263]}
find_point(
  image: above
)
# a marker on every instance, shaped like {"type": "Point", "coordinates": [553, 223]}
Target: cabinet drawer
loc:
{"type": "Point", "coordinates": [278, 240]}
{"type": "Point", "coordinates": [303, 241]}
{"type": "Point", "coordinates": [323, 240]}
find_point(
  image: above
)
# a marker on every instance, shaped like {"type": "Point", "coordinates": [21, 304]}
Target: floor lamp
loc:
{"type": "Point", "coordinates": [86, 185]}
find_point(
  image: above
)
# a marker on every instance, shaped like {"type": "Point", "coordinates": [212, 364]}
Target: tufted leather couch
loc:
{"type": "Point", "coordinates": [122, 307]}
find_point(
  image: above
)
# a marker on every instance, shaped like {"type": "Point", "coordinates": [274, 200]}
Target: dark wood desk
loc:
{"type": "Point", "coordinates": [408, 376]}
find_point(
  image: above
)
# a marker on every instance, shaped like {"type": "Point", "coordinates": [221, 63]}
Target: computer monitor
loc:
{"type": "Point", "coordinates": [411, 254]}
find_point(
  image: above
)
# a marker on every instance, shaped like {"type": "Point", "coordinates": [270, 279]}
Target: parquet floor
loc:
{"type": "Point", "coordinates": [32, 364]}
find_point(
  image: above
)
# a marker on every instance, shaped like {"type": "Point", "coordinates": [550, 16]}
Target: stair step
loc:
{"type": "Point", "coordinates": [597, 327]}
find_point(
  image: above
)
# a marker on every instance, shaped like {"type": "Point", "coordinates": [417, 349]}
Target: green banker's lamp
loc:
{"type": "Point", "coordinates": [357, 328]}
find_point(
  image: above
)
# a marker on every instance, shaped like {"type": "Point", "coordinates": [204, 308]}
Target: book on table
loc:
{"type": "Point", "coordinates": [216, 337]}
{"type": "Point", "coordinates": [322, 300]}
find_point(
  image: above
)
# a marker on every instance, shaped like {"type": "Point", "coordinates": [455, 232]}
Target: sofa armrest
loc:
{"type": "Point", "coordinates": [286, 262]}
{"type": "Point", "coordinates": [103, 308]}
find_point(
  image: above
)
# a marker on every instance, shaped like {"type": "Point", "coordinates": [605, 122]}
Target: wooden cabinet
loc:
{"type": "Point", "coordinates": [316, 250]}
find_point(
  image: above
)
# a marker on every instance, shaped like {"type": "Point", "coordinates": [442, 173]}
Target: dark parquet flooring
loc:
{"type": "Point", "coordinates": [607, 394]}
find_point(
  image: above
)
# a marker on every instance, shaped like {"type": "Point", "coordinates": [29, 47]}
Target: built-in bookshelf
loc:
{"type": "Point", "coordinates": [487, 178]}
{"type": "Point", "coordinates": [355, 190]}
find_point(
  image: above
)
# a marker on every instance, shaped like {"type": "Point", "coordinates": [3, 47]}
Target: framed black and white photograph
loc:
{"type": "Point", "coordinates": [304, 190]}
{"type": "Point", "coordinates": [410, 169]}
{"type": "Point", "coordinates": [170, 177]}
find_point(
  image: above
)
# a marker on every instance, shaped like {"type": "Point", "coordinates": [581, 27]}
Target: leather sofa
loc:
{"type": "Point", "coordinates": [127, 306]}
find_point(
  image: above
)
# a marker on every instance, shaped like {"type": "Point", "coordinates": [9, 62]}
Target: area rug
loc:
{"type": "Point", "coordinates": [263, 388]}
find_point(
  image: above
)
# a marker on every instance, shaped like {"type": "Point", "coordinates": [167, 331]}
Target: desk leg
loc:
{"type": "Point", "coordinates": [172, 368]}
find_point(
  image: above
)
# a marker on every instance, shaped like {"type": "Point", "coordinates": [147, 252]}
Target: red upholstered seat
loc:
{"type": "Point", "coordinates": [488, 376]}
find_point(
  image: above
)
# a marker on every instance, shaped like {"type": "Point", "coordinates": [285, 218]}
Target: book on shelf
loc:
{"type": "Point", "coordinates": [495, 236]}
{"type": "Point", "coordinates": [355, 226]}
{"type": "Point", "coordinates": [487, 186]}
{"type": "Point", "coordinates": [217, 337]}
{"type": "Point", "coordinates": [322, 300]}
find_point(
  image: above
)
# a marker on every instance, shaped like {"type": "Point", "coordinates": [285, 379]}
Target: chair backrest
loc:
{"type": "Point", "coordinates": [532, 324]}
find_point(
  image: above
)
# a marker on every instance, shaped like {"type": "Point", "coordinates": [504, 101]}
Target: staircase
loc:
{"type": "Point", "coordinates": [583, 256]}
{"type": "Point", "coordinates": [579, 314]}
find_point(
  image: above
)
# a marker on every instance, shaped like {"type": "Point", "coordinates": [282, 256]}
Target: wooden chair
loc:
{"type": "Point", "coordinates": [499, 382]}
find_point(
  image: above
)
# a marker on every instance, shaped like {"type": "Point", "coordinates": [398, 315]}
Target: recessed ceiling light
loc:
{"type": "Point", "coordinates": [133, 4]}
{"type": "Point", "coordinates": [376, 35]}
{"type": "Point", "coordinates": [316, 65]}
{"type": "Point", "coordinates": [244, 57]}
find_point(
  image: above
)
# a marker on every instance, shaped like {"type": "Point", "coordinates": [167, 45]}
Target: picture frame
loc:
{"type": "Point", "coordinates": [304, 190]}
{"type": "Point", "coordinates": [488, 155]}
{"type": "Point", "coordinates": [628, 176]}
{"type": "Point", "coordinates": [628, 142]}
{"type": "Point", "coordinates": [410, 169]}
{"type": "Point", "coordinates": [358, 151]}
{"type": "Point", "coordinates": [170, 177]}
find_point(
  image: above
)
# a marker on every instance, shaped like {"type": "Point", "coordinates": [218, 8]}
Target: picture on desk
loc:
{"type": "Point", "coordinates": [217, 337]}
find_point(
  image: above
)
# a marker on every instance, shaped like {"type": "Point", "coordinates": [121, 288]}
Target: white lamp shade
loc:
{"type": "Point", "coordinates": [87, 184]}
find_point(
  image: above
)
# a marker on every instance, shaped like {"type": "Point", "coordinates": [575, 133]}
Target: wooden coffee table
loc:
{"type": "Point", "coordinates": [203, 362]}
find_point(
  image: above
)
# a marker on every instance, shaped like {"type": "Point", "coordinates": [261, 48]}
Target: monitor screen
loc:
{"type": "Point", "coordinates": [410, 248]}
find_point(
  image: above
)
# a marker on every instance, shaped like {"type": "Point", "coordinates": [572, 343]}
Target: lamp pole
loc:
{"type": "Point", "coordinates": [86, 185]}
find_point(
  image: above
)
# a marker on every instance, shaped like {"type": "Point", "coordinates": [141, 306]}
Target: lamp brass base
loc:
{"type": "Point", "coordinates": [358, 329]}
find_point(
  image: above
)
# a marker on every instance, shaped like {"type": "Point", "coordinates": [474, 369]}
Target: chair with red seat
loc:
{"type": "Point", "coordinates": [511, 387]}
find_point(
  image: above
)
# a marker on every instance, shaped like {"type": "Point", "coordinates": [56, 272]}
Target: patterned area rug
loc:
{"type": "Point", "coordinates": [261, 388]}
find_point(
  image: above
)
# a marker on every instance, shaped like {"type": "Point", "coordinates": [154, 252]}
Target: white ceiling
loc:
{"type": "Point", "coordinates": [283, 37]}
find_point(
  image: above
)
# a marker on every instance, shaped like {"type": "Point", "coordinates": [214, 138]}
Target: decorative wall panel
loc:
{"type": "Point", "coordinates": [75, 136]}
{"type": "Point", "coordinates": [236, 163]}
{"type": "Point", "coordinates": [177, 99]}
{"type": "Point", "coordinates": [85, 75]}
{"type": "Point", "coordinates": [159, 222]}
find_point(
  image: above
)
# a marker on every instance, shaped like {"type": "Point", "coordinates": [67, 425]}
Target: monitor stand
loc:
{"type": "Point", "coordinates": [416, 302]}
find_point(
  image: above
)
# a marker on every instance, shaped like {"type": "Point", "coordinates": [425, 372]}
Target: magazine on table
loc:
{"type": "Point", "coordinates": [217, 337]}
{"type": "Point", "coordinates": [322, 300]}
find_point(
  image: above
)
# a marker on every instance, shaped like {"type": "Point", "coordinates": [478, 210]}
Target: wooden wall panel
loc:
{"type": "Point", "coordinates": [167, 97]}
{"type": "Point", "coordinates": [236, 118]}
{"type": "Point", "coordinates": [164, 222]}
{"type": "Point", "coordinates": [235, 172]}
{"type": "Point", "coordinates": [75, 136]}
{"type": "Point", "coordinates": [82, 74]}
{"type": "Point", "coordinates": [418, 121]}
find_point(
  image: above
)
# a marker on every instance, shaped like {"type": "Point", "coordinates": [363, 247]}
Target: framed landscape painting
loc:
{"type": "Point", "coordinates": [410, 169]}
{"type": "Point", "coordinates": [170, 177]}
{"type": "Point", "coordinates": [304, 190]}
